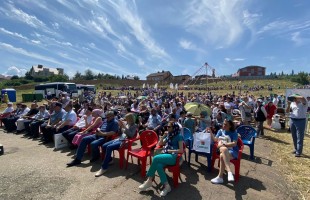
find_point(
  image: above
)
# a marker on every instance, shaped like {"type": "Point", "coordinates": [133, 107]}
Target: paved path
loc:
{"type": "Point", "coordinates": [29, 170]}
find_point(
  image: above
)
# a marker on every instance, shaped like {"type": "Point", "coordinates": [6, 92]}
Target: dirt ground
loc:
{"type": "Point", "coordinates": [30, 170]}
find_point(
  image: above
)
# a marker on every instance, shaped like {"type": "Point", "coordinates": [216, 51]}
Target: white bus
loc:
{"type": "Point", "coordinates": [81, 88]}
{"type": "Point", "coordinates": [56, 88]}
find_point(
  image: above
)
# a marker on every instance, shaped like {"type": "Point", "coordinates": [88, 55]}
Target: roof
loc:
{"type": "Point", "coordinates": [181, 75]}
{"type": "Point", "coordinates": [253, 66]}
{"type": "Point", "coordinates": [159, 73]}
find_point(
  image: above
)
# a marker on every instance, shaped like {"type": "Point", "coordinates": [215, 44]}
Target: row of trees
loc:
{"type": "Point", "coordinates": [90, 75]}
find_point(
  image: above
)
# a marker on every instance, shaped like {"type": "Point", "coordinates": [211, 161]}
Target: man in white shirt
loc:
{"type": "Point", "coordinates": [8, 109]}
{"type": "Point", "coordinates": [298, 114]}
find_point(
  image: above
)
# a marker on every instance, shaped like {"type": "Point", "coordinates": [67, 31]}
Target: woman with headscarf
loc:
{"type": "Point", "coordinates": [172, 143]}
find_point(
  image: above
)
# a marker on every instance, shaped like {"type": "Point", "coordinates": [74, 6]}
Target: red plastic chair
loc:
{"type": "Point", "coordinates": [236, 162]}
{"type": "Point", "coordinates": [175, 169]}
{"type": "Point", "coordinates": [121, 151]}
{"type": "Point", "coordinates": [149, 140]}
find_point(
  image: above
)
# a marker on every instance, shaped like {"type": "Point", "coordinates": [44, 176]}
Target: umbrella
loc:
{"type": "Point", "coordinates": [142, 97]}
{"type": "Point", "coordinates": [196, 108]}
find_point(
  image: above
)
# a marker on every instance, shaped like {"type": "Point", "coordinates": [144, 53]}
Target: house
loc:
{"type": "Point", "coordinates": [251, 71]}
{"type": "Point", "coordinates": [40, 70]}
{"type": "Point", "coordinates": [182, 78]}
{"type": "Point", "coordinates": [160, 76]}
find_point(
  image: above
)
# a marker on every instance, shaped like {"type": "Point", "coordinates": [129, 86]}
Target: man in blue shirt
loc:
{"type": "Point", "coordinates": [103, 134]}
{"type": "Point", "coordinates": [56, 117]}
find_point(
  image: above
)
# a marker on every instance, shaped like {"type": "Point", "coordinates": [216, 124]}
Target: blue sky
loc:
{"type": "Point", "coordinates": [140, 37]}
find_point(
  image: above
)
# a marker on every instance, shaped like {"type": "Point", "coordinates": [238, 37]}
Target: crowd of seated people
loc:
{"type": "Point", "coordinates": [107, 121]}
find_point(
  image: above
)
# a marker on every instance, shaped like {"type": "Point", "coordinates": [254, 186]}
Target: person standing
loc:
{"type": "Point", "coordinates": [298, 114]}
{"type": "Point", "coordinates": [260, 116]}
{"type": "Point", "coordinates": [271, 110]}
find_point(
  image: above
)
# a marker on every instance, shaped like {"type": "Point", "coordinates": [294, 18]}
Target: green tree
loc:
{"type": "Point", "coordinates": [77, 76]}
{"type": "Point", "coordinates": [59, 78]}
{"type": "Point", "coordinates": [28, 76]}
{"type": "Point", "coordinates": [14, 77]}
{"type": "Point", "coordinates": [301, 78]}
{"type": "Point", "coordinates": [89, 75]}
{"type": "Point", "coordinates": [136, 78]}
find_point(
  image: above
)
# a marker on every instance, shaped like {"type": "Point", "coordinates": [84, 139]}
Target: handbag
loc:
{"type": "Point", "coordinates": [202, 142]}
{"type": "Point", "coordinates": [60, 141]}
{"type": "Point", "coordinates": [78, 138]}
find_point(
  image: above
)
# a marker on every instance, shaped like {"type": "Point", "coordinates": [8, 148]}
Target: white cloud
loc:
{"type": "Point", "coordinates": [15, 71]}
{"type": "Point", "coordinates": [216, 21]}
{"type": "Point", "coordinates": [55, 25]}
{"type": "Point", "coordinates": [36, 41]}
{"type": "Point", "coordinates": [9, 47]}
{"type": "Point", "coordinates": [13, 33]}
{"type": "Point", "coordinates": [185, 44]}
{"type": "Point", "coordinates": [31, 20]}
{"type": "Point", "coordinates": [130, 17]}
{"type": "Point", "coordinates": [188, 45]}
{"type": "Point", "coordinates": [234, 59]}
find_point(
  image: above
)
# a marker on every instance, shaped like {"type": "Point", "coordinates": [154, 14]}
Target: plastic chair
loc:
{"type": "Point", "coordinates": [188, 138]}
{"type": "Point", "coordinates": [248, 135]}
{"type": "Point", "coordinates": [149, 140]}
{"type": "Point", "coordinates": [127, 144]}
{"type": "Point", "coordinates": [208, 155]}
{"type": "Point", "coordinates": [236, 162]}
{"type": "Point", "coordinates": [175, 169]}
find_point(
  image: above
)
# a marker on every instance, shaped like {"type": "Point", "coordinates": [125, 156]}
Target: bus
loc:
{"type": "Point", "coordinates": [81, 88]}
{"type": "Point", "coordinates": [56, 88]}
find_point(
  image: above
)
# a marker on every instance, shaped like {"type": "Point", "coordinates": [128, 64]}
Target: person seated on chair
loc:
{"type": "Point", "coordinates": [32, 127]}
{"type": "Point", "coordinates": [76, 137]}
{"type": "Point", "coordinates": [8, 109]}
{"type": "Point", "coordinates": [26, 118]}
{"type": "Point", "coordinates": [227, 138]}
{"type": "Point", "coordinates": [9, 122]}
{"type": "Point", "coordinates": [203, 121]}
{"type": "Point", "coordinates": [108, 129]}
{"type": "Point", "coordinates": [128, 129]}
{"type": "Point", "coordinates": [190, 122]}
{"type": "Point", "coordinates": [83, 122]}
{"type": "Point", "coordinates": [172, 142]}
{"type": "Point", "coordinates": [154, 121]}
{"type": "Point", "coordinates": [55, 118]}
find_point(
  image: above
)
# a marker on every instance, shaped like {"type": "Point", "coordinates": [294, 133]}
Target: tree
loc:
{"type": "Point", "coordinates": [301, 78]}
{"type": "Point", "coordinates": [59, 78]}
{"type": "Point", "coordinates": [28, 76]}
{"type": "Point", "coordinates": [77, 76]}
{"type": "Point", "coordinates": [89, 75]}
{"type": "Point", "coordinates": [14, 77]}
{"type": "Point", "coordinates": [136, 78]}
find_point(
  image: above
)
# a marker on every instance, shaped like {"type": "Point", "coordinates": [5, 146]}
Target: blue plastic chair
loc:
{"type": "Point", "coordinates": [188, 138]}
{"type": "Point", "coordinates": [208, 155]}
{"type": "Point", "coordinates": [248, 135]}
